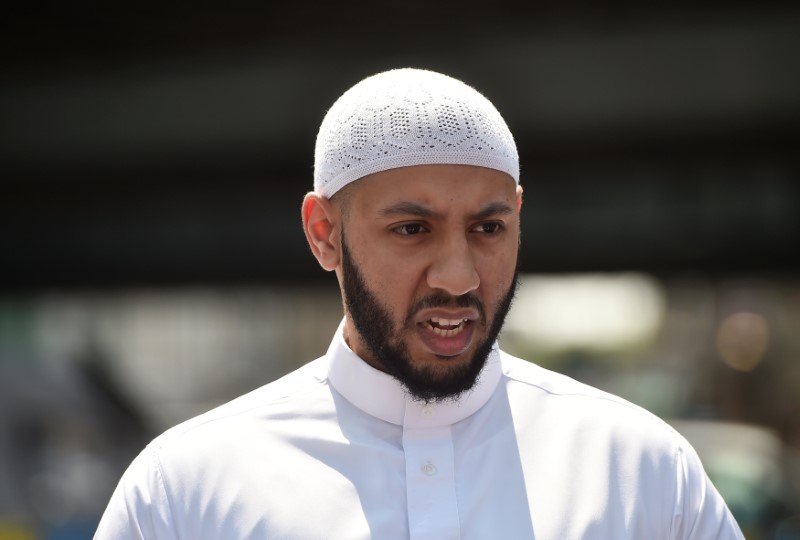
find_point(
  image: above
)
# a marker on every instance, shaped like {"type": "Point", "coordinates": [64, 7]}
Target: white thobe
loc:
{"type": "Point", "coordinates": [339, 450]}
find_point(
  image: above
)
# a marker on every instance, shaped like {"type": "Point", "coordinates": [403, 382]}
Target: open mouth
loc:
{"type": "Point", "coordinates": [446, 336]}
{"type": "Point", "coordinates": [445, 327]}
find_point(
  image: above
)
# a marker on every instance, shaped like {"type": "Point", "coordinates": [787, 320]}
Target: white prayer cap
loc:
{"type": "Point", "coordinates": [409, 117]}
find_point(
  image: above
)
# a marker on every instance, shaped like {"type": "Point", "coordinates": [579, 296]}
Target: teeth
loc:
{"type": "Point", "coordinates": [457, 326]}
{"type": "Point", "coordinates": [448, 322]}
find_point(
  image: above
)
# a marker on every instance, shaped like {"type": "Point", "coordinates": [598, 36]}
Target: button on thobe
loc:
{"type": "Point", "coordinates": [430, 480]}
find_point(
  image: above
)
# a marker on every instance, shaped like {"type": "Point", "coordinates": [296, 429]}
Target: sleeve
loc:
{"type": "Point", "coordinates": [139, 508]}
{"type": "Point", "coordinates": [700, 512]}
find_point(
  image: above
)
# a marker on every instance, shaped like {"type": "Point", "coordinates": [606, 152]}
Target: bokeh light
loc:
{"type": "Point", "coordinates": [742, 340]}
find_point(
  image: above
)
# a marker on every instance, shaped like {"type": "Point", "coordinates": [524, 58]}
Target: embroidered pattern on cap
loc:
{"type": "Point", "coordinates": [409, 117]}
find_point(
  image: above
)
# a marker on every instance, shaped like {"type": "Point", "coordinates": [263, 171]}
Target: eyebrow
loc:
{"type": "Point", "coordinates": [406, 208]}
{"type": "Point", "coordinates": [492, 209]}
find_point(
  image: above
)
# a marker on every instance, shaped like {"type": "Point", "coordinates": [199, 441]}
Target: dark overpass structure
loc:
{"type": "Point", "coordinates": [173, 146]}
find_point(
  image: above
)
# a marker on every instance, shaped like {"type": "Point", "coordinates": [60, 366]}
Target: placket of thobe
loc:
{"type": "Point", "coordinates": [430, 477]}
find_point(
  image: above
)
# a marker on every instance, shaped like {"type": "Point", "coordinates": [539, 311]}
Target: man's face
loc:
{"type": "Point", "coordinates": [428, 272]}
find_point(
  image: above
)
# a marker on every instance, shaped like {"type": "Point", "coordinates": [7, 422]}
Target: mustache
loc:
{"type": "Point", "coordinates": [445, 300]}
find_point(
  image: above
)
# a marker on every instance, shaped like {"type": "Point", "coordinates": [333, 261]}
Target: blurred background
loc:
{"type": "Point", "coordinates": [152, 265]}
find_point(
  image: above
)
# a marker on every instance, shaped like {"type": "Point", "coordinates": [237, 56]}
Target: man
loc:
{"type": "Point", "coordinates": [414, 424]}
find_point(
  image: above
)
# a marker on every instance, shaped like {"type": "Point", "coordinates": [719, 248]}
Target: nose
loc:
{"type": "Point", "coordinates": [453, 269]}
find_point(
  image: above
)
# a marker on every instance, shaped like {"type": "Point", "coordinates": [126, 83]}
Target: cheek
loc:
{"type": "Point", "coordinates": [396, 281]}
{"type": "Point", "coordinates": [392, 281]}
{"type": "Point", "coordinates": [389, 269]}
{"type": "Point", "coordinates": [497, 272]}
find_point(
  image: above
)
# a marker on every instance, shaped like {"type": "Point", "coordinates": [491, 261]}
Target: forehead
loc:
{"type": "Point", "coordinates": [440, 187]}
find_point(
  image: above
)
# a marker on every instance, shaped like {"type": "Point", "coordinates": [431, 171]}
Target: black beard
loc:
{"type": "Point", "coordinates": [374, 323]}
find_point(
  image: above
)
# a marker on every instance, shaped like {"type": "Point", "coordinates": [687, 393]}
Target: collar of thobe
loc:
{"type": "Point", "coordinates": [382, 396]}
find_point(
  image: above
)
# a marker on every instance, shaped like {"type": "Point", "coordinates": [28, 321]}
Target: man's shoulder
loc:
{"type": "Point", "coordinates": [545, 380]}
{"type": "Point", "coordinates": [551, 382]}
{"type": "Point", "coordinates": [582, 402]}
{"type": "Point", "coordinates": [281, 397]}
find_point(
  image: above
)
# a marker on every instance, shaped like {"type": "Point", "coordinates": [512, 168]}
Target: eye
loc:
{"type": "Point", "coordinates": [491, 227]}
{"type": "Point", "coordinates": [408, 229]}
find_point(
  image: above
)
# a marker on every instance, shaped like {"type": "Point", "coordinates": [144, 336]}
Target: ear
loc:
{"type": "Point", "coordinates": [519, 198]}
{"type": "Point", "coordinates": [320, 223]}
